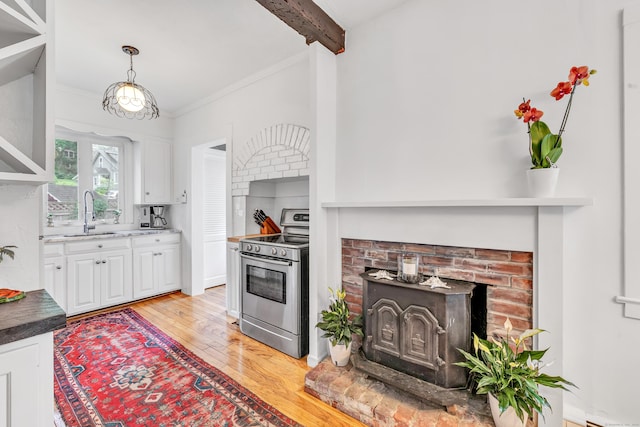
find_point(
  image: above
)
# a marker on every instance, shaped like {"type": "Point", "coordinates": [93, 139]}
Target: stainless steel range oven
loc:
{"type": "Point", "coordinates": [275, 285]}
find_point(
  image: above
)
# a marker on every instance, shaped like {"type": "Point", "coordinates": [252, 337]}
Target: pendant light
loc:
{"type": "Point", "coordinates": [129, 99]}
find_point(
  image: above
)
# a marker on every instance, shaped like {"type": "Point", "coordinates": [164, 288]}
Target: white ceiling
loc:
{"type": "Point", "coordinates": [188, 49]}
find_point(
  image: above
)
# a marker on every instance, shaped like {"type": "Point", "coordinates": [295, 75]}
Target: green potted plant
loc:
{"type": "Point", "coordinates": [7, 250]}
{"type": "Point", "coordinates": [545, 148]}
{"type": "Point", "coordinates": [339, 327]}
{"type": "Point", "coordinates": [511, 376]}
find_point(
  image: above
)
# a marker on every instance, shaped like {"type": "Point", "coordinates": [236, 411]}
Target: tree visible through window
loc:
{"type": "Point", "coordinates": [86, 163]}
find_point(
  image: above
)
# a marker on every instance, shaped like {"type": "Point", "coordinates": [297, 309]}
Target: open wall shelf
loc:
{"type": "Point", "coordinates": [26, 79]}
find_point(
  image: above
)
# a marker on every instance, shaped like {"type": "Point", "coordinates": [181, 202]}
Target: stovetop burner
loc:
{"type": "Point", "coordinates": [284, 239]}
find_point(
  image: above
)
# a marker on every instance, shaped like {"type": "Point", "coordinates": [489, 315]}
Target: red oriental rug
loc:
{"type": "Point", "coordinates": [117, 369]}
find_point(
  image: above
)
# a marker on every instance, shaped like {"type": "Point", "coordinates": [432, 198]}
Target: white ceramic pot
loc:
{"type": "Point", "coordinates": [542, 182]}
{"type": "Point", "coordinates": [340, 353]}
{"type": "Point", "coordinates": [508, 418]}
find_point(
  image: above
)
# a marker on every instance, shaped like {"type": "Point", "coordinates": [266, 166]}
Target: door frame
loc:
{"type": "Point", "coordinates": [197, 241]}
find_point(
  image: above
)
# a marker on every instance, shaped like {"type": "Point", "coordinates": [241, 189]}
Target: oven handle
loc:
{"type": "Point", "coordinates": [270, 260]}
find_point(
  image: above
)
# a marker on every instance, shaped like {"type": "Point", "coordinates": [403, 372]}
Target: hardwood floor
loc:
{"type": "Point", "coordinates": [200, 324]}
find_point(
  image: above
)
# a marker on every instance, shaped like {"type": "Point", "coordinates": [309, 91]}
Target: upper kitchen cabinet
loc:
{"type": "Point", "coordinates": [26, 82]}
{"type": "Point", "coordinates": [153, 173]}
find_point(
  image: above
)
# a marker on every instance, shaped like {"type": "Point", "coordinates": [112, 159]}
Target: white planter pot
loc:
{"type": "Point", "coordinates": [340, 353]}
{"type": "Point", "coordinates": [508, 418]}
{"type": "Point", "coordinates": [542, 182]}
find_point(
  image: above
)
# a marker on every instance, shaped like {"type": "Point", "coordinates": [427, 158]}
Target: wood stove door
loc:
{"type": "Point", "coordinates": [409, 335]}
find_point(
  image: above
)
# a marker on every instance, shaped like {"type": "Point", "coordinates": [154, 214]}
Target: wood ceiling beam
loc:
{"type": "Point", "coordinates": [309, 20]}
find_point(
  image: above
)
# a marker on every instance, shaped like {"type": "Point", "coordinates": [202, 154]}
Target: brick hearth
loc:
{"type": "Point", "coordinates": [375, 404]}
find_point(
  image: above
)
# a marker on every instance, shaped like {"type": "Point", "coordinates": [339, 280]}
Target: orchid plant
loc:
{"type": "Point", "coordinates": [545, 148]}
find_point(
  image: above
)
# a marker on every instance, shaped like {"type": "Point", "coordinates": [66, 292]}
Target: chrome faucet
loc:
{"type": "Point", "coordinates": [88, 227]}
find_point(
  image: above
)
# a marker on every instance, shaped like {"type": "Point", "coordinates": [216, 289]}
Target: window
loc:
{"type": "Point", "coordinates": [85, 161]}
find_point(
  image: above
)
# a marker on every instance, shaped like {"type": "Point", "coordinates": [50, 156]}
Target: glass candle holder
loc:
{"type": "Point", "coordinates": [409, 268]}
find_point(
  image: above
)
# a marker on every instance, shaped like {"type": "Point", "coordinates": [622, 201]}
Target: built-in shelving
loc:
{"type": "Point", "coordinates": [26, 80]}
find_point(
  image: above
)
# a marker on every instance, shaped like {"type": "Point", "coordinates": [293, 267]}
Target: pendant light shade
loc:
{"type": "Point", "coordinates": [129, 99]}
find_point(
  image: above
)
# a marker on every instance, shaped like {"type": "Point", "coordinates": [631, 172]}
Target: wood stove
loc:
{"type": "Point", "coordinates": [417, 330]}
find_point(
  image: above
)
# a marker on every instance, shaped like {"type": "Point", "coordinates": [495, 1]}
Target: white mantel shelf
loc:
{"type": "Point", "coordinates": [506, 202]}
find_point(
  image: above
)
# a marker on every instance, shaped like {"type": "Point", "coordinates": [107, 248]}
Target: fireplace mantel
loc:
{"type": "Point", "coordinates": [489, 202]}
{"type": "Point", "coordinates": [524, 224]}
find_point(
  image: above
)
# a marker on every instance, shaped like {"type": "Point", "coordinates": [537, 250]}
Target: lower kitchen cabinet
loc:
{"type": "Point", "coordinates": [233, 279]}
{"type": "Point", "coordinates": [54, 274]}
{"type": "Point", "coordinates": [89, 274]}
{"type": "Point", "coordinates": [156, 265]}
{"type": "Point", "coordinates": [96, 280]}
{"type": "Point", "coordinates": [26, 382]}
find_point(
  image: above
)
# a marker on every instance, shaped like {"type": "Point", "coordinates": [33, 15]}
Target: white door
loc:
{"type": "Point", "coordinates": [214, 222]}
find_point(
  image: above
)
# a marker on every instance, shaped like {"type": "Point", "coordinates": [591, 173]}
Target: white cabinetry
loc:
{"type": "Point", "coordinates": [156, 266]}
{"type": "Point", "coordinates": [99, 274]}
{"type": "Point", "coordinates": [233, 279]}
{"type": "Point", "coordinates": [54, 273]}
{"type": "Point", "coordinates": [26, 382]}
{"type": "Point", "coordinates": [153, 173]}
{"type": "Point", "coordinates": [26, 85]}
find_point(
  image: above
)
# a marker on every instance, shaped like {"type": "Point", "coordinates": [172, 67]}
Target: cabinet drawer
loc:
{"type": "Point", "coordinates": [97, 245]}
{"type": "Point", "coordinates": [54, 249]}
{"type": "Point", "coordinates": [156, 239]}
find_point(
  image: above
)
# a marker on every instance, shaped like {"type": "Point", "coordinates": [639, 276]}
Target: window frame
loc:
{"type": "Point", "coordinates": [125, 175]}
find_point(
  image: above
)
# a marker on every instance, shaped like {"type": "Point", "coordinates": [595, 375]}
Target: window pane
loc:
{"type": "Point", "coordinates": [62, 196]}
{"type": "Point", "coordinates": [105, 180]}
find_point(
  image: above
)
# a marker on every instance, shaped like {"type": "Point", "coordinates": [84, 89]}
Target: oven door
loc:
{"type": "Point", "coordinates": [270, 291]}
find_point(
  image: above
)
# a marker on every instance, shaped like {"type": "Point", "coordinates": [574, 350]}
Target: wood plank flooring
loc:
{"type": "Point", "coordinates": [200, 324]}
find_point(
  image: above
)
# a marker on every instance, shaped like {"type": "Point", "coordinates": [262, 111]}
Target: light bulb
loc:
{"type": "Point", "coordinates": [130, 97]}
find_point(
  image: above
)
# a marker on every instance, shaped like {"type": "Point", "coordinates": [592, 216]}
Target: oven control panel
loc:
{"type": "Point", "coordinates": [269, 251]}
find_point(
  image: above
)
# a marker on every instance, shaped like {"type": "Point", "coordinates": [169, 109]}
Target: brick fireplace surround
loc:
{"type": "Point", "coordinates": [508, 274]}
{"type": "Point", "coordinates": [509, 279]}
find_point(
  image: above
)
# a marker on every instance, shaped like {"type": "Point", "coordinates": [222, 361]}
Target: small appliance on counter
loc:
{"type": "Point", "coordinates": [157, 217]}
{"type": "Point", "coordinates": [145, 217]}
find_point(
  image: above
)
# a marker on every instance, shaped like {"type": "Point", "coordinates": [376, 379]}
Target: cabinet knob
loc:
{"type": "Point", "coordinates": [98, 262]}
{"type": "Point", "coordinates": [104, 261]}
{"type": "Point", "coordinates": [157, 240]}
{"type": "Point", "coordinates": [100, 246]}
{"type": "Point", "coordinates": [58, 267]}
{"type": "Point", "coordinates": [147, 193]}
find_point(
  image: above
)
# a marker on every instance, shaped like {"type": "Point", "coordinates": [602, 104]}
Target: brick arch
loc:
{"type": "Point", "coordinates": [279, 151]}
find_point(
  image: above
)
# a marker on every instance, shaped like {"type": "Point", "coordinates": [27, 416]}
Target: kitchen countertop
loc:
{"type": "Point", "coordinates": [35, 314]}
{"type": "Point", "coordinates": [236, 239]}
{"type": "Point", "coordinates": [62, 238]}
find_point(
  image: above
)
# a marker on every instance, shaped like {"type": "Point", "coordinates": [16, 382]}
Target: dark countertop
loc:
{"type": "Point", "coordinates": [37, 313]}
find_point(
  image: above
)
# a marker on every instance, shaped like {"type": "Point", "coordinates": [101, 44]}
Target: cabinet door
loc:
{"type": "Point", "coordinates": [26, 382]}
{"type": "Point", "coordinates": [83, 283]}
{"type": "Point", "coordinates": [54, 280]}
{"type": "Point", "coordinates": [116, 277]}
{"type": "Point", "coordinates": [156, 173]}
{"type": "Point", "coordinates": [168, 268]}
{"type": "Point", "coordinates": [233, 279]}
{"type": "Point", "coordinates": [144, 282]}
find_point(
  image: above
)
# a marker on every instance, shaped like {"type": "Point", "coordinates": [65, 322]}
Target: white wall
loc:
{"type": "Point", "coordinates": [425, 107]}
{"type": "Point", "coordinates": [278, 95]}
{"type": "Point", "coordinates": [20, 207]}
